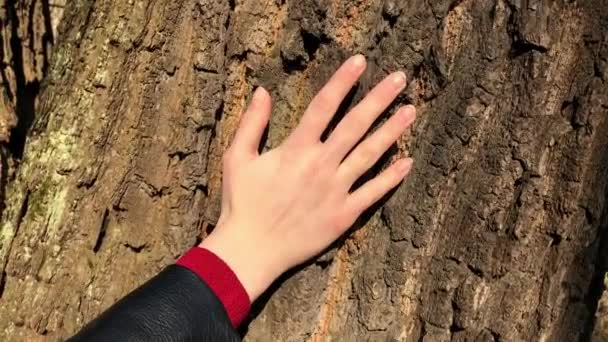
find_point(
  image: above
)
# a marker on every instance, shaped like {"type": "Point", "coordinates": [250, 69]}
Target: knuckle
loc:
{"type": "Point", "coordinates": [323, 98]}
{"type": "Point", "coordinates": [365, 156]}
{"type": "Point", "coordinates": [376, 101]}
{"type": "Point", "coordinates": [316, 158]}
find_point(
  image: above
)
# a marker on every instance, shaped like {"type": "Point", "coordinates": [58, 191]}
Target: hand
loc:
{"type": "Point", "coordinates": [286, 205]}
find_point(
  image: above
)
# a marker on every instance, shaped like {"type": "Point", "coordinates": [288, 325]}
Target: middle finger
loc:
{"type": "Point", "coordinates": [350, 130]}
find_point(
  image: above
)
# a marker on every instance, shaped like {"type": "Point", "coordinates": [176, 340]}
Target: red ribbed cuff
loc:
{"type": "Point", "coordinates": [221, 280]}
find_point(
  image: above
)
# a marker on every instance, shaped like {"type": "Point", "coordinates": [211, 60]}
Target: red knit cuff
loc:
{"type": "Point", "coordinates": [221, 280]}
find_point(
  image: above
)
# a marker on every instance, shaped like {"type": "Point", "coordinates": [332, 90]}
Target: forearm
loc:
{"type": "Point", "coordinates": [198, 299]}
{"type": "Point", "coordinates": [279, 208]}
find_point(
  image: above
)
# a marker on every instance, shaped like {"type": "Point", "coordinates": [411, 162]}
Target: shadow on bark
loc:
{"type": "Point", "coordinates": [19, 91]}
{"type": "Point", "coordinates": [593, 258]}
{"type": "Point", "coordinates": [26, 91]}
{"type": "Point", "coordinates": [325, 258]}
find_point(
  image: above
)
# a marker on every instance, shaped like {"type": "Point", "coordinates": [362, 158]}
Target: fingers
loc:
{"type": "Point", "coordinates": [325, 104]}
{"type": "Point", "coordinates": [350, 130]}
{"type": "Point", "coordinates": [253, 122]}
{"type": "Point", "coordinates": [367, 153]}
{"type": "Point", "coordinates": [370, 192]}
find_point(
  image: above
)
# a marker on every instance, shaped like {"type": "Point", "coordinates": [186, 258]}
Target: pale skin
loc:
{"type": "Point", "coordinates": [286, 205]}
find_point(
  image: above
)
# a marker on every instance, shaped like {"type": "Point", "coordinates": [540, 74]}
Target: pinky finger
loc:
{"type": "Point", "coordinates": [370, 192]}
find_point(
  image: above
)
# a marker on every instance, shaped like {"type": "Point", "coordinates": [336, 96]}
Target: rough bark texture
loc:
{"type": "Point", "coordinates": [26, 39]}
{"type": "Point", "coordinates": [496, 235]}
{"type": "Point", "coordinates": [27, 28]}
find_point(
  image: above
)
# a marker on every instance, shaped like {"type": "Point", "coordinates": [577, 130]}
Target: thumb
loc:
{"type": "Point", "coordinates": [253, 122]}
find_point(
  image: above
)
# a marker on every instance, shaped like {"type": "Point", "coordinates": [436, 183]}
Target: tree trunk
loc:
{"type": "Point", "coordinates": [497, 235]}
{"type": "Point", "coordinates": [26, 39]}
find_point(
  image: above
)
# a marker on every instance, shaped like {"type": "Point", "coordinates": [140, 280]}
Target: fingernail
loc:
{"type": "Point", "coordinates": [407, 113]}
{"type": "Point", "coordinates": [358, 60]}
{"type": "Point", "coordinates": [257, 93]}
{"type": "Point", "coordinates": [398, 79]}
{"type": "Point", "coordinates": [404, 165]}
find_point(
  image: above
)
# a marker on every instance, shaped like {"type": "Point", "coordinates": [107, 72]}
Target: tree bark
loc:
{"type": "Point", "coordinates": [497, 235]}
{"type": "Point", "coordinates": [27, 34]}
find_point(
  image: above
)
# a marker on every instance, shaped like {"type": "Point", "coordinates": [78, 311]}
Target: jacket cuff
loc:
{"type": "Point", "coordinates": [221, 280]}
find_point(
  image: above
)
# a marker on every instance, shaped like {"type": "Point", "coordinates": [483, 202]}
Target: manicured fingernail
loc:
{"type": "Point", "coordinates": [404, 165]}
{"type": "Point", "coordinates": [398, 79]}
{"type": "Point", "coordinates": [358, 61]}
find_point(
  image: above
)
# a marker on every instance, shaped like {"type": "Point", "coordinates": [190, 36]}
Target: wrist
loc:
{"type": "Point", "coordinates": [220, 278]}
{"type": "Point", "coordinates": [251, 261]}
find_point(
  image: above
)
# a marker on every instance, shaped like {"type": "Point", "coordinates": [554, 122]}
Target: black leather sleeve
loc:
{"type": "Point", "coordinates": [175, 305]}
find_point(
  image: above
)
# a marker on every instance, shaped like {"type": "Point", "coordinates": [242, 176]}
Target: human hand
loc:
{"type": "Point", "coordinates": [286, 205]}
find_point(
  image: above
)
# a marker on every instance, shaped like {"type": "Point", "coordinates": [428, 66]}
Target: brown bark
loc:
{"type": "Point", "coordinates": [26, 39]}
{"type": "Point", "coordinates": [26, 32]}
{"type": "Point", "coordinates": [496, 235]}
